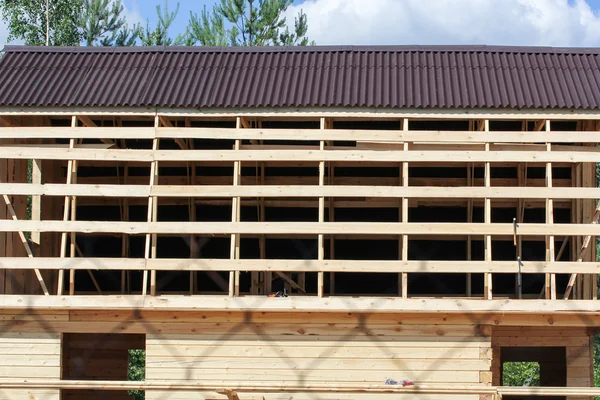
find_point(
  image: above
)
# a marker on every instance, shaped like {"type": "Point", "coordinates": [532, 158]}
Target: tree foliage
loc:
{"type": "Point", "coordinates": [247, 23]}
{"type": "Point", "coordinates": [159, 36]}
{"type": "Point", "coordinates": [26, 20]}
{"type": "Point", "coordinates": [101, 21]}
{"type": "Point", "coordinates": [136, 370]}
{"type": "Point", "coordinates": [521, 374]}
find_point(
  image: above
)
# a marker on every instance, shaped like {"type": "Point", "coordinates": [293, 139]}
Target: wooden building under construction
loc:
{"type": "Point", "coordinates": [298, 223]}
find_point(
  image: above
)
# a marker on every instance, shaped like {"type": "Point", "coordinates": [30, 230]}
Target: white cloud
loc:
{"type": "Point", "coordinates": [132, 13]}
{"type": "Point", "coordinates": [423, 22]}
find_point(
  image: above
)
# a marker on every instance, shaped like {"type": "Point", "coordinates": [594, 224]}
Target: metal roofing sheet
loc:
{"type": "Point", "coordinates": [342, 76]}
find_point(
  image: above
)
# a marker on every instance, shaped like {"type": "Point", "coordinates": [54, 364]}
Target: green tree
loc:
{"type": "Point", "coordinates": [247, 23]}
{"type": "Point", "coordinates": [136, 370]}
{"type": "Point", "coordinates": [40, 22]}
{"type": "Point", "coordinates": [101, 22]}
{"type": "Point", "coordinates": [521, 374]}
{"type": "Point", "coordinates": [159, 36]}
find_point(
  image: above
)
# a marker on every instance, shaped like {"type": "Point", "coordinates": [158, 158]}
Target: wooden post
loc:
{"type": "Point", "coordinates": [262, 240]}
{"type": "Point", "coordinates": [66, 213]}
{"type": "Point", "coordinates": [150, 250]}
{"type": "Point", "coordinates": [522, 182]}
{"type": "Point", "coordinates": [550, 250]}
{"type": "Point", "coordinates": [125, 275]}
{"type": "Point", "coordinates": [234, 253]}
{"type": "Point", "coordinates": [191, 180]}
{"type": "Point", "coordinates": [470, 183]}
{"type": "Point", "coordinates": [36, 201]}
{"type": "Point", "coordinates": [470, 170]}
{"type": "Point", "coordinates": [404, 275]}
{"type": "Point", "coordinates": [320, 244]}
{"type": "Point", "coordinates": [331, 237]}
{"type": "Point", "coordinates": [73, 237]}
{"type": "Point", "coordinates": [488, 293]}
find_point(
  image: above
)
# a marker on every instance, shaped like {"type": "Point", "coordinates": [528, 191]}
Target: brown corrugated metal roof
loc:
{"type": "Point", "coordinates": [340, 76]}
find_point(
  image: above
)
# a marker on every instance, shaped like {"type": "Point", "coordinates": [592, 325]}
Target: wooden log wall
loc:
{"type": "Point", "coordinates": [30, 355]}
{"type": "Point", "coordinates": [235, 348]}
{"type": "Point", "coordinates": [295, 350]}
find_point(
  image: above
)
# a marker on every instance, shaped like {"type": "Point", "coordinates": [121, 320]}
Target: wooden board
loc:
{"type": "Point", "coordinates": [42, 360]}
{"type": "Point", "coordinates": [331, 353]}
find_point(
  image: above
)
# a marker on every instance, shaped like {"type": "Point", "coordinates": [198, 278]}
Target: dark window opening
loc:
{"type": "Point", "coordinates": [533, 366]}
{"type": "Point", "coordinates": [103, 357]}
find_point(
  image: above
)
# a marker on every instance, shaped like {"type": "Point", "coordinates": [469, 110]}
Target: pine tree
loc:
{"type": "Point", "coordinates": [247, 23]}
{"type": "Point", "coordinates": [102, 23]}
{"type": "Point", "coordinates": [159, 36]}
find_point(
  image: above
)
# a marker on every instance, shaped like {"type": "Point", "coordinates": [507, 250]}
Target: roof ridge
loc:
{"type": "Point", "coordinates": [309, 49]}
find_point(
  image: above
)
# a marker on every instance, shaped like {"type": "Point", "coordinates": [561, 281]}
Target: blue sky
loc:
{"type": "Point", "coordinates": [146, 9]}
{"type": "Point", "coordinates": [503, 22]}
{"type": "Point", "coordinates": [558, 23]}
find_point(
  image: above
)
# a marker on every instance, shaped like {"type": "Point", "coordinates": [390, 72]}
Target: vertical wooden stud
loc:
{"type": "Point", "coordinates": [150, 249]}
{"type": "Point", "coordinates": [405, 175]}
{"type": "Point", "coordinates": [488, 292]}
{"type": "Point", "coordinates": [234, 253]}
{"type": "Point", "coordinates": [550, 249]}
{"type": "Point", "coordinates": [66, 214]}
{"type": "Point", "coordinates": [331, 219]}
{"type": "Point", "coordinates": [320, 244]}
{"type": "Point", "coordinates": [73, 235]}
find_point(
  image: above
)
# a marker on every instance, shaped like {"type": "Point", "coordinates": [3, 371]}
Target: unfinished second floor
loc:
{"type": "Point", "coordinates": [324, 199]}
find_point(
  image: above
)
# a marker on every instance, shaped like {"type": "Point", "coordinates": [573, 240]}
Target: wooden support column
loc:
{"type": "Point", "coordinates": [257, 284]}
{"type": "Point", "coordinates": [150, 249]}
{"type": "Point", "coordinates": [320, 244]}
{"type": "Point", "coordinates": [470, 180]}
{"type": "Point", "coordinates": [191, 180]}
{"type": "Point", "coordinates": [590, 216]}
{"type": "Point", "coordinates": [234, 253]}
{"type": "Point", "coordinates": [73, 236]}
{"type": "Point", "coordinates": [36, 201]}
{"type": "Point", "coordinates": [550, 250]}
{"type": "Point", "coordinates": [262, 240]}
{"type": "Point", "coordinates": [125, 275]}
{"type": "Point", "coordinates": [522, 182]}
{"type": "Point", "coordinates": [487, 219]}
{"type": "Point", "coordinates": [403, 283]}
{"type": "Point", "coordinates": [66, 213]}
{"type": "Point", "coordinates": [331, 219]}
{"type": "Point", "coordinates": [470, 183]}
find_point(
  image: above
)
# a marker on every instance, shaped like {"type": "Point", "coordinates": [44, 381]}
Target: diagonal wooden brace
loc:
{"type": "Point", "coordinates": [11, 209]}
{"type": "Point", "coordinates": [582, 252]}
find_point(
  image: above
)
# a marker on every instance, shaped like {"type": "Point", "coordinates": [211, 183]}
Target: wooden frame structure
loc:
{"type": "Point", "coordinates": [523, 181]}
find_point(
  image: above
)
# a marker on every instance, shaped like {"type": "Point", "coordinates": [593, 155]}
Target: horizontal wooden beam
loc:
{"type": "Point", "coordinates": [285, 265]}
{"type": "Point", "coordinates": [221, 387]}
{"type": "Point", "coordinates": [297, 134]}
{"type": "Point", "coordinates": [374, 202]}
{"type": "Point", "coordinates": [390, 156]}
{"type": "Point", "coordinates": [311, 113]}
{"type": "Point", "coordinates": [335, 304]}
{"type": "Point", "coordinates": [301, 228]}
{"type": "Point", "coordinates": [210, 191]}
